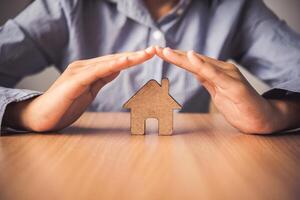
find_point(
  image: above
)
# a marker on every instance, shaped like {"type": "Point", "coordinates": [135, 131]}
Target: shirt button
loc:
{"type": "Point", "coordinates": [157, 35]}
{"type": "Point", "coordinates": [179, 11]}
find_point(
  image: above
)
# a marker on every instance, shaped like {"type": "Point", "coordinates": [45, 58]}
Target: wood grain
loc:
{"type": "Point", "coordinates": [97, 158]}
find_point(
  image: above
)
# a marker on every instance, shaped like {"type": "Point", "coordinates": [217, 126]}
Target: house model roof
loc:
{"type": "Point", "coordinates": [153, 96]}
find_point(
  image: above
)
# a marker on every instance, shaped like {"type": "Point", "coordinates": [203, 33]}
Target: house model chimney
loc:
{"type": "Point", "coordinates": [165, 85]}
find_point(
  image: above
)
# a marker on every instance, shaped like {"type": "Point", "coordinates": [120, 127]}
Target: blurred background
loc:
{"type": "Point", "coordinates": [287, 10]}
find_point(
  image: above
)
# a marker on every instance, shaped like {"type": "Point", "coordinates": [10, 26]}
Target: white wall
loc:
{"type": "Point", "coordinates": [288, 10]}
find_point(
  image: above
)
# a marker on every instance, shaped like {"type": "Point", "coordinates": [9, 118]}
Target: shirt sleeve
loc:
{"type": "Point", "coordinates": [33, 40]}
{"type": "Point", "coordinates": [269, 49]}
{"type": "Point", "coordinates": [9, 95]}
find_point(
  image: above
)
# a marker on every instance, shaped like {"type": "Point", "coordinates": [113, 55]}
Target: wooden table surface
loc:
{"type": "Point", "coordinates": [97, 158]}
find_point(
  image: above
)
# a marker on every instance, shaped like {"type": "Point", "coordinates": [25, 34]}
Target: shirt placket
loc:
{"type": "Point", "coordinates": [155, 66]}
{"type": "Point", "coordinates": [157, 31]}
{"type": "Point", "coordinates": [158, 36]}
{"type": "Point", "coordinates": [165, 24]}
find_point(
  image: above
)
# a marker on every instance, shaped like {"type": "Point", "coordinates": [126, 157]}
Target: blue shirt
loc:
{"type": "Point", "coordinates": [61, 31]}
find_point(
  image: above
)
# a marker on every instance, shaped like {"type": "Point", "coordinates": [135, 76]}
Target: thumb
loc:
{"type": "Point", "coordinates": [95, 87]}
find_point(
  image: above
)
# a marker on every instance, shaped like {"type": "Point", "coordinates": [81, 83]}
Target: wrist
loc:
{"type": "Point", "coordinates": [286, 115]}
{"type": "Point", "coordinates": [17, 115]}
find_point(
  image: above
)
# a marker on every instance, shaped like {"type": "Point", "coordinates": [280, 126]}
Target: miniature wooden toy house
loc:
{"type": "Point", "coordinates": [152, 101]}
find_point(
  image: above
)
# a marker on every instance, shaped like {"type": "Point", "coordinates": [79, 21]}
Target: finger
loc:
{"type": "Point", "coordinates": [178, 59]}
{"type": "Point", "coordinates": [207, 70]}
{"type": "Point", "coordinates": [211, 72]}
{"type": "Point", "coordinates": [231, 87]}
{"type": "Point", "coordinates": [106, 68]}
{"type": "Point", "coordinates": [183, 53]}
{"type": "Point", "coordinates": [207, 85]}
{"type": "Point", "coordinates": [158, 51]}
{"type": "Point", "coordinates": [150, 50]}
{"type": "Point", "coordinates": [96, 86]}
{"type": "Point", "coordinates": [218, 63]}
{"type": "Point", "coordinates": [92, 61]}
{"type": "Point", "coordinates": [210, 60]}
{"type": "Point", "coordinates": [222, 64]}
{"type": "Point", "coordinates": [213, 61]}
{"type": "Point", "coordinates": [84, 63]}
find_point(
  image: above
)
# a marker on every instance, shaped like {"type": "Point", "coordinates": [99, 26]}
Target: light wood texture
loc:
{"type": "Point", "coordinates": [97, 158]}
{"type": "Point", "coordinates": [152, 101]}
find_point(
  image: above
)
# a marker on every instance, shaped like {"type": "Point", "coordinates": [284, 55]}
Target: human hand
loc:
{"type": "Point", "coordinates": [72, 92]}
{"type": "Point", "coordinates": [231, 93]}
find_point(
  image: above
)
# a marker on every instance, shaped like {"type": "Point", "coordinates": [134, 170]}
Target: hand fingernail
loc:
{"type": "Point", "coordinates": [168, 49]}
{"type": "Point", "coordinates": [192, 52]}
{"type": "Point", "coordinates": [149, 49]}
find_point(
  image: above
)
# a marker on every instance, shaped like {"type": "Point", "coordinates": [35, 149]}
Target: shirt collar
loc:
{"type": "Point", "coordinates": [176, 12]}
{"type": "Point", "coordinates": [136, 10]}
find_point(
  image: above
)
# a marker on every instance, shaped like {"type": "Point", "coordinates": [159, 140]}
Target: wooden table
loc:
{"type": "Point", "coordinates": [97, 158]}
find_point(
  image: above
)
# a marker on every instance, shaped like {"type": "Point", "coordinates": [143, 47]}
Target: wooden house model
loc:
{"type": "Point", "coordinates": [152, 101]}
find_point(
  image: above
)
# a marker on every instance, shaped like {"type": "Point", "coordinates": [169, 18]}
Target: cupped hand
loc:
{"type": "Point", "coordinates": [72, 92]}
{"type": "Point", "coordinates": [230, 92]}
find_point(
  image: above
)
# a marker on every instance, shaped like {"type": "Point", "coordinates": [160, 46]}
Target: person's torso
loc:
{"type": "Point", "coordinates": [105, 27]}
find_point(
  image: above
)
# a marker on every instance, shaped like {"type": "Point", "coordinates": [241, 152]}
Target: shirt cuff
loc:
{"type": "Point", "coordinates": [13, 95]}
{"type": "Point", "coordinates": [284, 90]}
